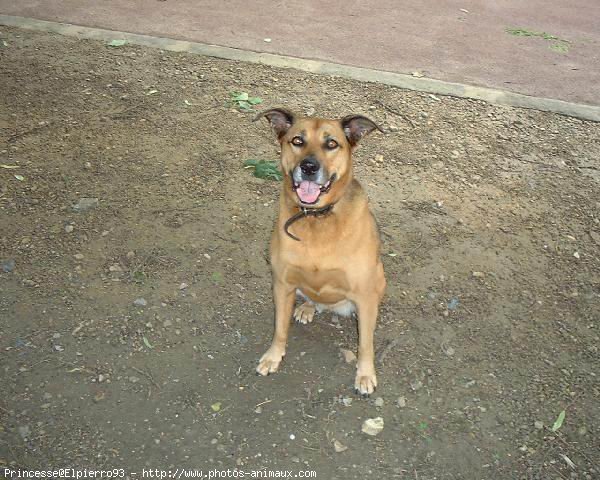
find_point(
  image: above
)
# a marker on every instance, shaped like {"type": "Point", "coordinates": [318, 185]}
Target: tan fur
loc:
{"type": "Point", "coordinates": [337, 258]}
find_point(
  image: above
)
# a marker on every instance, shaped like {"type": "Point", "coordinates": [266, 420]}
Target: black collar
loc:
{"type": "Point", "coordinates": [306, 212]}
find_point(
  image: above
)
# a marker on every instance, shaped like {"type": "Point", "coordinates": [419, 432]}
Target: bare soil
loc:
{"type": "Point", "coordinates": [490, 220]}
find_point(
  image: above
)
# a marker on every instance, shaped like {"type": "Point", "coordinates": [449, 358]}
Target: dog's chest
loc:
{"type": "Point", "coordinates": [319, 284]}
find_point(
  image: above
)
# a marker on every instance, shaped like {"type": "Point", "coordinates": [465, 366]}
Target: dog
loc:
{"type": "Point", "coordinates": [325, 246]}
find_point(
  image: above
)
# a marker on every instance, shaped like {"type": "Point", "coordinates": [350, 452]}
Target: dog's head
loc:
{"type": "Point", "coordinates": [316, 154]}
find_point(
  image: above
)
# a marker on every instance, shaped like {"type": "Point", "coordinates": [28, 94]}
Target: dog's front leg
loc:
{"type": "Point", "coordinates": [284, 297]}
{"type": "Point", "coordinates": [366, 380]}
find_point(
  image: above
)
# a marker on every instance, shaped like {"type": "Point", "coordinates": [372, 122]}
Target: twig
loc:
{"type": "Point", "coordinates": [147, 375]}
{"type": "Point", "coordinates": [396, 112]}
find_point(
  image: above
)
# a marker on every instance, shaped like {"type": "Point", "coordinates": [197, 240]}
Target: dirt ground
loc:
{"type": "Point", "coordinates": [490, 221]}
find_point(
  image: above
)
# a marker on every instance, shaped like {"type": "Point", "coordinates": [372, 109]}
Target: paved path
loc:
{"type": "Point", "coordinates": [463, 42]}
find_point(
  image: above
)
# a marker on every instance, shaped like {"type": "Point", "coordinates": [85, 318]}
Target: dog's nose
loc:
{"type": "Point", "coordinates": [309, 166]}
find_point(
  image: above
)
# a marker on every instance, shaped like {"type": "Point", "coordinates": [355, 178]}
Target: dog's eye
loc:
{"type": "Point", "coordinates": [297, 141]}
{"type": "Point", "coordinates": [331, 144]}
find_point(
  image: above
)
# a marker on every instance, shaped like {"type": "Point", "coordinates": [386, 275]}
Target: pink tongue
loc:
{"type": "Point", "coordinates": [308, 192]}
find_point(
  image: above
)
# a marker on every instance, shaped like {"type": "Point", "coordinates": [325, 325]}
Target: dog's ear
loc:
{"type": "Point", "coordinates": [356, 126]}
{"type": "Point", "coordinates": [280, 119]}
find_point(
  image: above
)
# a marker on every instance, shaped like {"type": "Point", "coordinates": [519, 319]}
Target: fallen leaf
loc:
{"type": "Point", "coordinates": [216, 406]}
{"type": "Point", "coordinates": [559, 421]}
{"type": "Point", "coordinates": [147, 342]}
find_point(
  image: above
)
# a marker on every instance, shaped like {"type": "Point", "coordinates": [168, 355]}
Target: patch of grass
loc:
{"type": "Point", "coordinates": [265, 169]}
{"type": "Point", "coordinates": [560, 44]}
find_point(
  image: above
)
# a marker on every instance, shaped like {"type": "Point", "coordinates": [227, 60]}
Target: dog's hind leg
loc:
{"type": "Point", "coordinates": [304, 313]}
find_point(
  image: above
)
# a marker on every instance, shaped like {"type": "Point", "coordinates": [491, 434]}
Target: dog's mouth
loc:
{"type": "Point", "coordinates": [309, 192]}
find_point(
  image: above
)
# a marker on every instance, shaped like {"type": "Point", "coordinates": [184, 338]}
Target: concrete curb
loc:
{"type": "Point", "coordinates": [498, 97]}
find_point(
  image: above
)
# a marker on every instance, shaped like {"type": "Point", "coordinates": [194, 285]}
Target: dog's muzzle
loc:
{"type": "Point", "coordinates": [310, 180]}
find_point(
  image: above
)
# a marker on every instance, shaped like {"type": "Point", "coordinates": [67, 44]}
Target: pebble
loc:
{"type": "Point", "coordinates": [183, 286]}
{"type": "Point", "coordinates": [8, 265]}
{"type": "Point", "coordinates": [84, 204]}
{"type": "Point", "coordinates": [78, 256]}
{"type": "Point", "coordinates": [478, 274]}
{"type": "Point", "coordinates": [349, 355]}
{"type": "Point", "coordinates": [576, 255]}
{"type": "Point", "coordinates": [416, 385]}
{"type": "Point", "coordinates": [372, 426]}
{"type": "Point", "coordinates": [401, 402]}
{"type": "Point", "coordinates": [379, 402]}
{"type": "Point", "coordinates": [339, 447]}
{"type": "Point", "coordinates": [24, 431]}
{"type": "Point", "coordinates": [140, 302]}
{"type": "Point", "coordinates": [167, 323]}
{"type": "Point", "coordinates": [69, 228]}
{"type": "Point", "coordinates": [28, 283]}
{"type": "Point", "coordinates": [134, 379]}
{"type": "Point", "coordinates": [538, 425]}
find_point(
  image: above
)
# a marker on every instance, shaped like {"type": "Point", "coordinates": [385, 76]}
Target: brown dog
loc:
{"type": "Point", "coordinates": [325, 246]}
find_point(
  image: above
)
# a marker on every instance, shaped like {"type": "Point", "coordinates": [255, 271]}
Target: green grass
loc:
{"type": "Point", "coordinates": [559, 44]}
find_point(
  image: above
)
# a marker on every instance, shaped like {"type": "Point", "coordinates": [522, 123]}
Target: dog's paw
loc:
{"type": "Point", "coordinates": [269, 362]}
{"type": "Point", "coordinates": [365, 383]}
{"type": "Point", "coordinates": [304, 313]}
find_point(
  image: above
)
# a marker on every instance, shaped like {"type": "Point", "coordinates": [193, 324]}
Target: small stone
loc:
{"type": "Point", "coordinates": [538, 425]}
{"type": "Point", "coordinates": [347, 401]}
{"type": "Point", "coordinates": [267, 40]}
{"type": "Point", "coordinates": [140, 302]}
{"type": "Point", "coordinates": [8, 266]}
{"type": "Point", "coordinates": [24, 431]}
{"type": "Point", "coordinates": [401, 402]}
{"type": "Point", "coordinates": [79, 256]}
{"type": "Point", "coordinates": [416, 385]}
{"type": "Point", "coordinates": [28, 283]}
{"type": "Point", "coordinates": [372, 426]}
{"type": "Point", "coordinates": [167, 323]}
{"type": "Point", "coordinates": [101, 378]}
{"type": "Point", "coordinates": [348, 355]}
{"type": "Point", "coordinates": [183, 286]}
{"type": "Point", "coordinates": [295, 459]}
{"type": "Point", "coordinates": [69, 228]}
{"type": "Point", "coordinates": [339, 447]}
{"type": "Point", "coordinates": [576, 255]}
{"type": "Point", "coordinates": [258, 410]}
{"type": "Point", "coordinates": [478, 274]}
{"type": "Point", "coordinates": [379, 402]}
{"type": "Point", "coordinates": [292, 436]}
{"type": "Point", "coordinates": [134, 379]}
{"type": "Point", "coordinates": [59, 348]}
{"type": "Point", "coordinates": [379, 158]}
{"type": "Point", "coordinates": [99, 397]}
{"type": "Point", "coordinates": [393, 128]}
{"type": "Point", "coordinates": [130, 254]}
{"type": "Point", "coordinates": [115, 268]}
{"type": "Point", "coordinates": [84, 204]}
